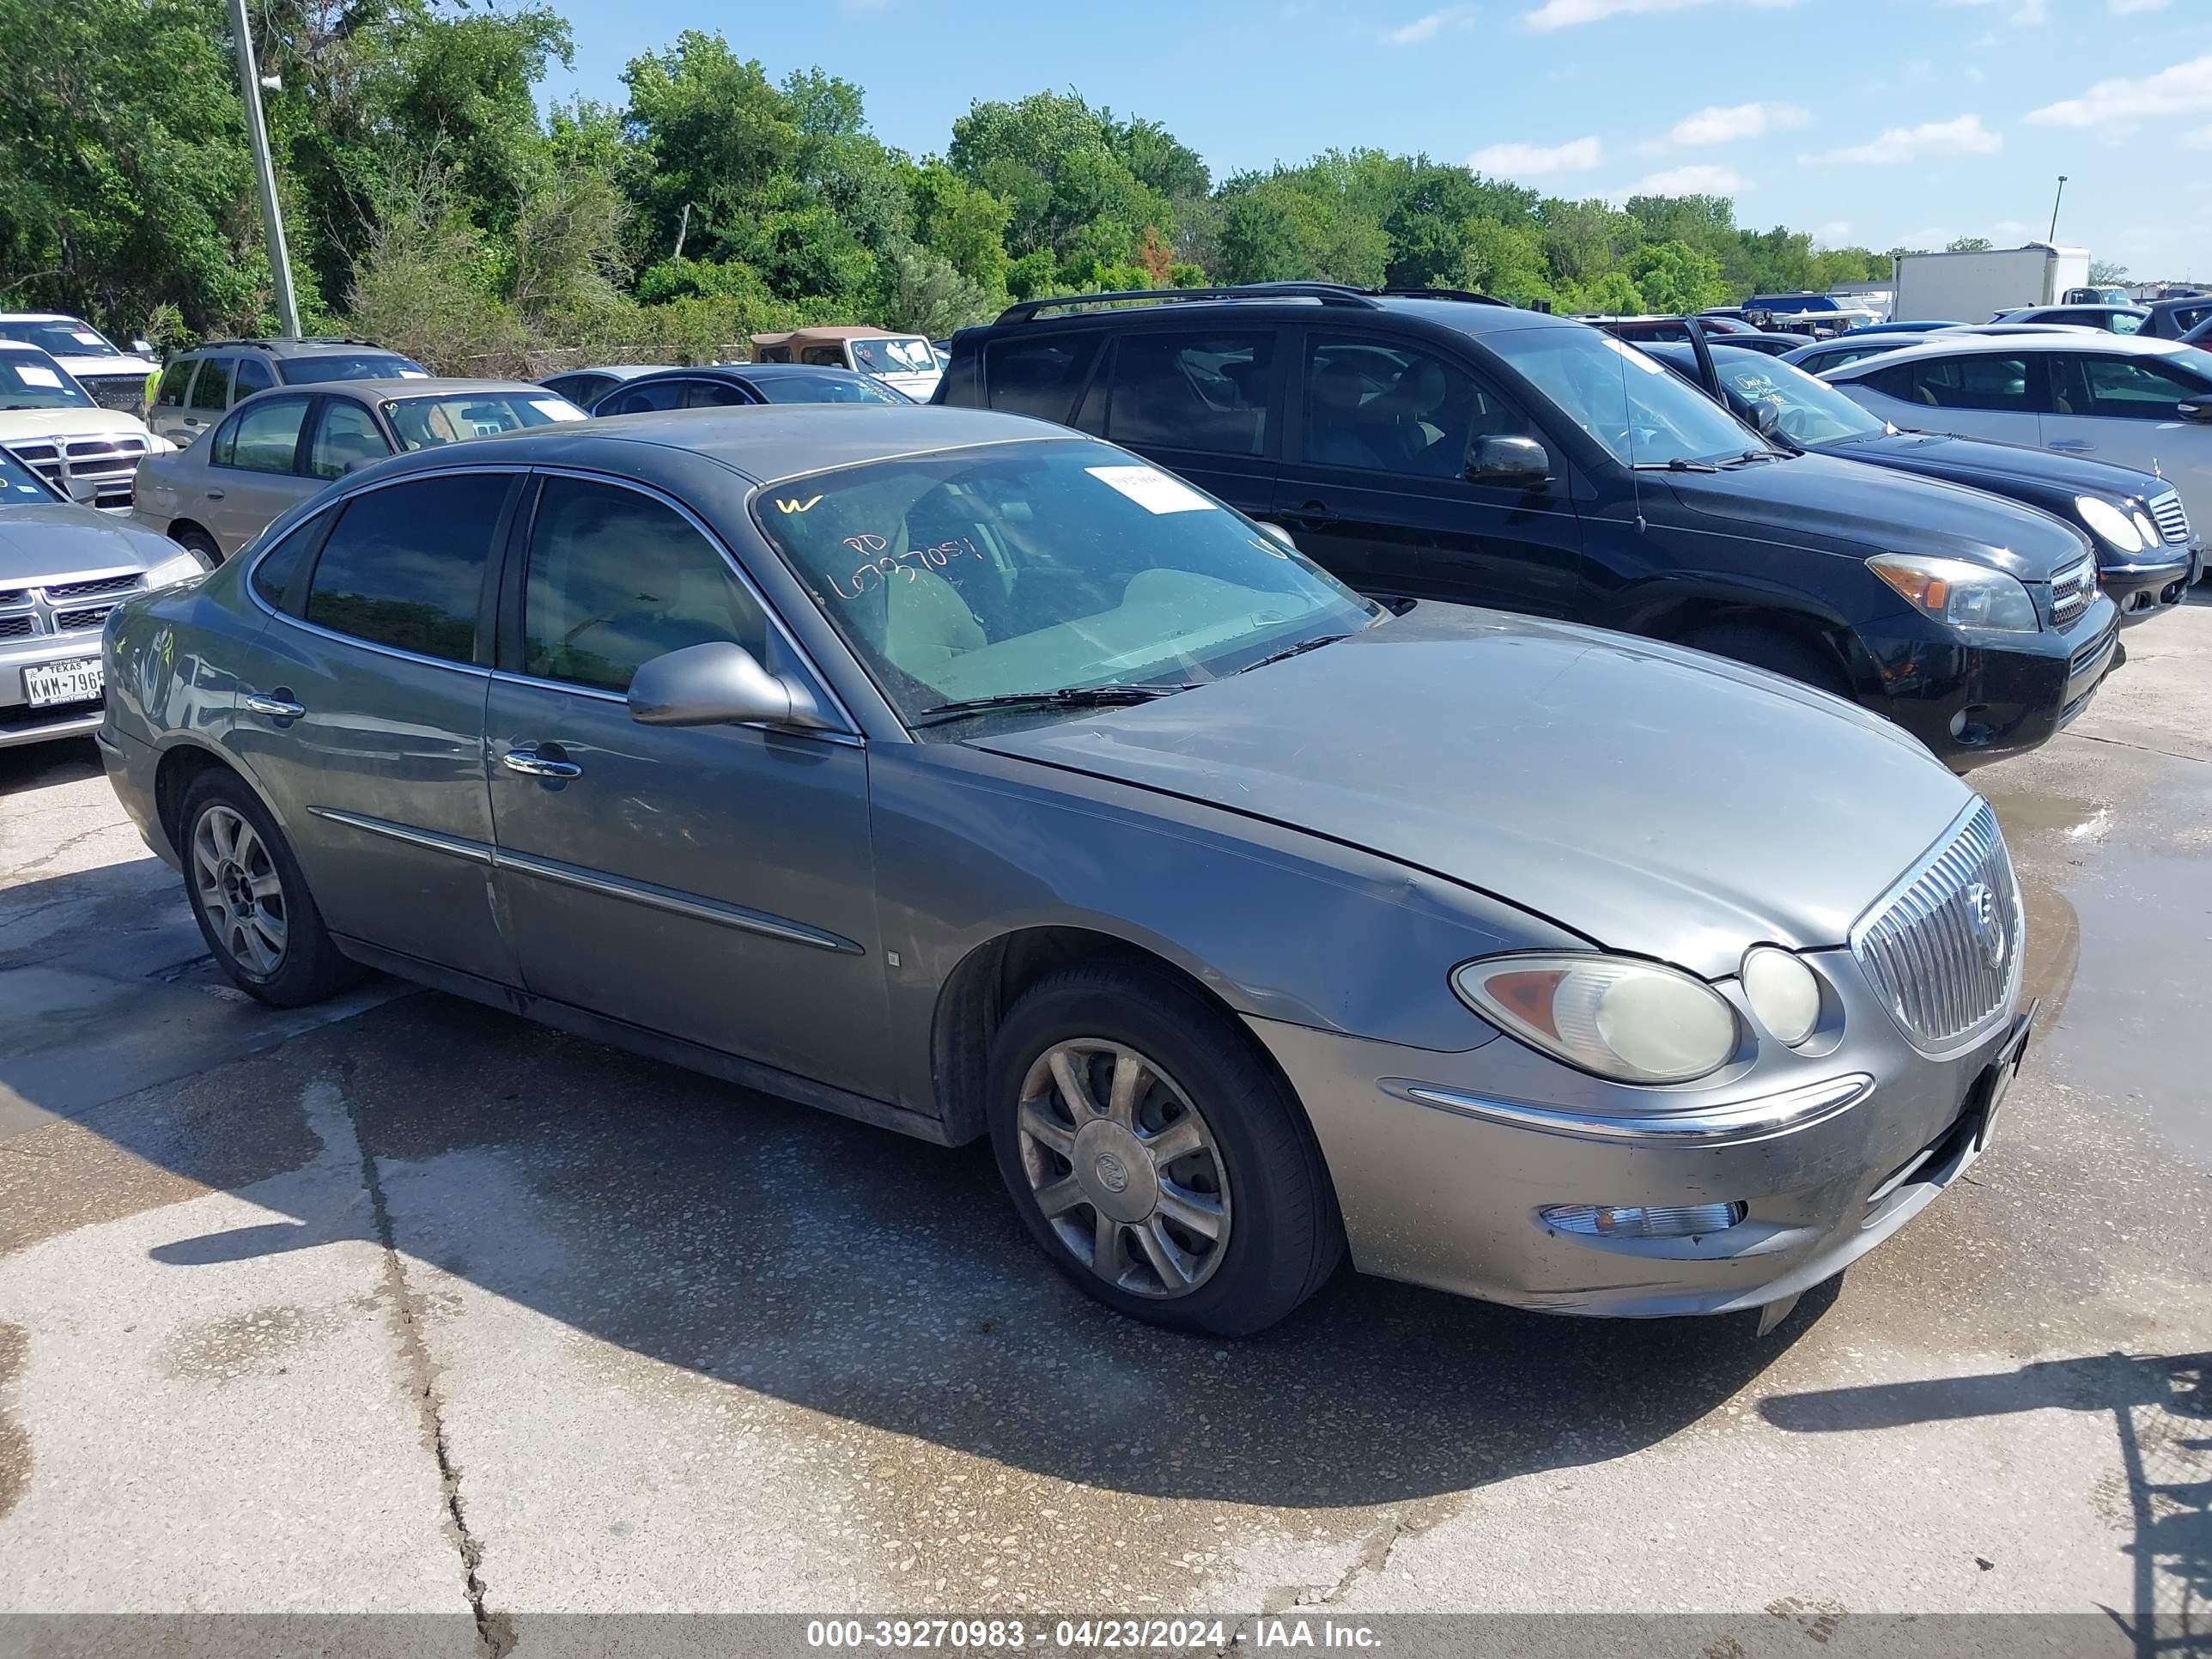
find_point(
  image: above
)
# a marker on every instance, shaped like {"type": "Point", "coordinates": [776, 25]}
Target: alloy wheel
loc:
{"type": "Point", "coordinates": [1124, 1168]}
{"type": "Point", "coordinates": [239, 890]}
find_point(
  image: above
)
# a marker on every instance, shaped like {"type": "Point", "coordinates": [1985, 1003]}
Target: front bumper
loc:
{"type": "Point", "coordinates": [1973, 697]}
{"type": "Point", "coordinates": [1442, 1163]}
{"type": "Point", "coordinates": [2144, 588]}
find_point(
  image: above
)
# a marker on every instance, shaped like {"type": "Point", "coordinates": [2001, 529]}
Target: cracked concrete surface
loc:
{"type": "Point", "coordinates": [409, 1306]}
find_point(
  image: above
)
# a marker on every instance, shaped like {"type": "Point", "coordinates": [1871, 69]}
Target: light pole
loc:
{"type": "Point", "coordinates": [256, 134]}
{"type": "Point", "coordinates": [2054, 201]}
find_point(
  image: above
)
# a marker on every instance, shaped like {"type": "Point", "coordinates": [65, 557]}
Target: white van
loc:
{"type": "Point", "coordinates": [115, 378]}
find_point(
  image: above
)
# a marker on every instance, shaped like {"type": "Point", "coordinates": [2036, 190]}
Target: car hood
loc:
{"type": "Point", "coordinates": [18, 424]}
{"type": "Point", "coordinates": [1656, 800]}
{"type": "Point", "coordinates": [1875, 510]}
{"type": "Point", "coordinates": [105, 368]}
{"type": "Point", "coordinates": [2007, 467]}
{"type": "Point", "coordinates": [52, 539]}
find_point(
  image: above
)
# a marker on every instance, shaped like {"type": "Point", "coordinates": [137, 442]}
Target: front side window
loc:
{"type": "Point", "coordinates": [1393, 408]}
{"type": "Point", "coordinates": [894, 357]}
{"type": "Point", "coordinates": [426, 422]}
{"type": "Point", "coordinates": [823, 356]}
{"type": "Point", "coordinates": [617, 579]}
{"type": "Point", "coordinates": [262, 439]}
{"type": "Point", "coordinates": [1025, 375]}
{"type": "Point", "coordinates": [211, 392]}
{"type": "Point", "coordinates": [712, 394]}
{"type": "Point", "coordinates": [404, 565]}
{"type": "Point", "coordinates": [1629, 403]}
{"type": "Point", "coordinates": [1986, 381]}
{"type": "Point", "coordinates": [29, 380]}
{"type": "Point", "coordinates": [1193, 391]}
{"type": "Point", "coordinates": [252, 376]}
{"type": "Point", "coordinates": [2124, 388]}
{"type": "Point", "coordinates": [642, 399]}
{"type": "Point", "coordinates": [346, 438]}
{"type": "Point", "coordinates": [1024, 568]}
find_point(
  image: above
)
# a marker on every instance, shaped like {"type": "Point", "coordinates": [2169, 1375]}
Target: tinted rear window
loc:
{"type": "Point", "coordinates": [1038, 376]}
{"type": "Point", "coordinates": [404, 565]}
{"type": "Point", "coordinates": [356, 366]}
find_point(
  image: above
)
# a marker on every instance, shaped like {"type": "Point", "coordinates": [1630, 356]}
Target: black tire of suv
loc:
{"type": "Point", "coordinates": [1773, 650]}
{"type": "Point", "coordinates": [1285, 1237]}
{"type": "Point", "coordinates": [312, 970]}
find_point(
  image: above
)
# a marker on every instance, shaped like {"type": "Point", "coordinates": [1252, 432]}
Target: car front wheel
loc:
{"type": "Point", "coordinates": [1155, 1157]}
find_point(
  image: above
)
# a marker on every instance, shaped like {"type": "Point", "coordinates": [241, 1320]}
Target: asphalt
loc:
{"type": "Point", "coordinates": [401, 1305]}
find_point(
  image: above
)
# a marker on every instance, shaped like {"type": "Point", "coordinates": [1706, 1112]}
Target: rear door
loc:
{"type": "Point", "coordinates": [1978, 395]}
{"type": "Point", "coordinates": [204, 404]}
{"type": "Point", "coordinates": [253, 471]}
{"type": "Point", "coordinates": [1204, 402]}
{"type": "Point", "coordinates": [1373, 482]}
{"type": "Point", "coordinates": [360, 710]}
{"type": "Point", "coordinates": [2126, 408]}
{"type": "Point", "coordinates": [166, 415]}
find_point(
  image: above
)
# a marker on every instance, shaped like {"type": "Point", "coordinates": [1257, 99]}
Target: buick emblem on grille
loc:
{"type": "Point", "coordinates": [1986, 922]}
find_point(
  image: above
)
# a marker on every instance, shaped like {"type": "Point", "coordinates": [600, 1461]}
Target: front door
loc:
{"type": "Point", "coordinates": [2127, 410]}
{"type": "Point", "coordinates": [1373, 486]}
{"type": "Point", "coordinates": [1201, 402]}
{"type": "Point", "coordinates": [361, 712]}
{"type": "Point", "coordinates": [252, 471]}
{"type": "Point", "coordinates": [714, 884]}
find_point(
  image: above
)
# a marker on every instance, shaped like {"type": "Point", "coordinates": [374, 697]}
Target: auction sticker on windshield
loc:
{"type": "Point", "coordinates": [77, 680]}
{"type": "Point", "coordinates": [1151, 488]}
{"type": "Point", "coordinates": [33, 374]}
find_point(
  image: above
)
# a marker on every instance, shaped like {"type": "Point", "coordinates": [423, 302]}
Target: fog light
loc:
{"type": "Point", "coordinates": [1641, 1221]}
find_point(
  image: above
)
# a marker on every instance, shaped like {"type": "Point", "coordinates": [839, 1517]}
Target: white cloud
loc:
{"type": "Point", "coordinates": [2027, 14]}
{"type": "Point", "coordinates": [1726, 124]}
{"type": "Point", "coordinates": [1430, 26]}
{"type": "Point", "coordinates": [2180, 90]}
{"type": "Point", "coordinates": [1964, 136]}
{"type": "Point", "coordinates": [1834, 233]}
{"type": "Point", "coordinates": [1566, 14]}
{"type": "Point", "coordinates": [2008, 228]}
{"type": "Point", "coordinates": [1700, 180]}
{"type": "Point", "coordinates": [1534, 160]}
{"type": "Point", "coordinates": [2129, 7]}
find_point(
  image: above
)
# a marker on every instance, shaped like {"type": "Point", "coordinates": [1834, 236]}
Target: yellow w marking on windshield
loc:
{"type": "Point", "coordinates": [795, 504]}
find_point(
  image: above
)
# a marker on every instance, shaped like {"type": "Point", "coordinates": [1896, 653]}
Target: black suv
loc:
{"type": "Point", "coordinates": [199, 385]}
{"type": "Point", "coordinates": [1435, 446]}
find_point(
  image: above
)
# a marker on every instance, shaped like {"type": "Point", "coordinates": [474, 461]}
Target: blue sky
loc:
{"type": "Point", "coordinates": [1878, 121]}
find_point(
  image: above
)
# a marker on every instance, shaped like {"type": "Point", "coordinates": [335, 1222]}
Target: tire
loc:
{"type": "Point", "coordinates": [1775, 651]}
{"type": "Point", "coordinates": [251, 901]}
{"type": "Point", "coordinates": [1252, 1171]}
{"type": "Point", "coordinates": [198, 541]}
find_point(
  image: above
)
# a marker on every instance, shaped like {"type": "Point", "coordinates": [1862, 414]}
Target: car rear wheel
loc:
{"type": "Point", "coordinates": [1155, 1157]}
{"type": "Point", "coordinates": [251, 901]}
{"type": "Point", "coordinates": [1773, 650]}
{"type": "Point", "coordinates": [200, 543]}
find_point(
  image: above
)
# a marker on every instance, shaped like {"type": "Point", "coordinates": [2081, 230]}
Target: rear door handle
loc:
{"type": "Point", "coordinates": [1313, 515]}
{"type": "Point", "coordinates": [546, 760]}
{"type": "Point", "coordinates": [215, 494]}
{"type": "Point", "coordinates": [277, 707]}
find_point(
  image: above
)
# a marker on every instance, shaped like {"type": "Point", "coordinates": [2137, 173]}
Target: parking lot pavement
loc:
{"type": "Point", "coordinates": [404, 1305]}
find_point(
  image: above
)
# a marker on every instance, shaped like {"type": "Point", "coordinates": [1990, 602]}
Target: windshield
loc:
{"type": "Point", "coordinates": [1628, 402]}
{"type": "Point", "coordinates": [426, 422]}
{"type": "Point", "coordinates": [19, 486]}
{"type": "Point", "coordinates": [66, 338]}
{"type": "Point", "coordinates": [1807, 412]}
{"type": "Point", "coordinates": [1041, 567]}
{"type": "Point", "coordinates": [894, 357]}
{"type": "Point", "coordinates": [29, 382]}
{"type": "Point", "coordinates": [357, 366]}
{"type": "Point", "coordinates": [827, 386]}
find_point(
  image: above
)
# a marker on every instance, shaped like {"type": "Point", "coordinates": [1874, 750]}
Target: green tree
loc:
{"type": "Point", "coordinates": [1676, 279]}
{"type": "Point", "coordinates": [1505, 261]}
{"type": "Point", "coordinates": [1967, 244]}
{"type": "Point", "coordinates": [962, 224]}
{"type": "Point", "coordinates": [1054, 161]}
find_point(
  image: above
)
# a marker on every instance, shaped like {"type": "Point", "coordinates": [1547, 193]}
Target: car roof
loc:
{"type": "Point", "coordinates": [761, 443]}
{"type": "Point", "coordinates": [1961, 344]}
{"type": "Point", "coordinates": [296, 345]}
{"type": "Point", "coordinates": [38, 317]}
{"type": "Point", "coordinates": [1473, 315]}
{"type": "Point", "coordinates": [756, 371]}
{"type": "Point", "coordinates": [410, 386]}
{"type": "Point", "coordinates": [620, 371]}
{"type": "Point", "coordinates": [2029, 313]}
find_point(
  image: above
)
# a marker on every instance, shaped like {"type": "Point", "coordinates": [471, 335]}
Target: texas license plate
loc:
{"type": "Point", "coordinates": [75, 681]}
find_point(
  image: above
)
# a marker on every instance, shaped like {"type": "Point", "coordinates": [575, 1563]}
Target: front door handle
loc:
{"type": "Point", "coordinates": [277, 707]}
{"type": "Point", "coordinates": [215, 494]}
{"type": "Point", "coordinates": [546, 760]}
{"type": "Point", "coordinates": [1313, 515]}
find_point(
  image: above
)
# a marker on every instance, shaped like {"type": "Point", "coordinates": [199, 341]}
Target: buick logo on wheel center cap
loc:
{"type": "Point", "coordinates": [1986, 923]}
{"type": "Point", "coordinates": [1113, 1174]}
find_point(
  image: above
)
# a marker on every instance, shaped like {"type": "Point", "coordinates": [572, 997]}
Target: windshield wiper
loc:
{"type": "Point", "coordinates": [1676, 465]}
{"type": "Point", "coordinates": [1066, 696]}
{"type": "Point", "coordinates": [1289, 651]}
{"type": "Point", "coordinates": [1750, 455]}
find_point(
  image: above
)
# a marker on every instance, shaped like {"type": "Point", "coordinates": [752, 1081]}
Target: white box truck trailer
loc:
{"type": "Point", "coordinates": [1972, 288]}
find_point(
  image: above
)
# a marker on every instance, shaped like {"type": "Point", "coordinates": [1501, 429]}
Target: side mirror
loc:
{"type": "Point", "coordinates": [84, 491]}
{"type": "Point", "coordinates": [1508, 463]}
{"type": "Point", "coordinates": [719, 683]}
{"type": "Point", "coordinates": [2194, 411]}
{"type": "Point", "coordinates": [1765, 416]}
{"type": "Point", "coordinates": [1278, 532]}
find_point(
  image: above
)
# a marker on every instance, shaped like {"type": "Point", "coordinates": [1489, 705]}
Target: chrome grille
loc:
{"type": "Point", "coordinates": [111, 462]}
{"type": "Point", "coordinates": [2071, 590]}
{"type": "Point", "coordinates": [76, 622]}
{"type": "Point", "coordinates": [1926, 944]}
{"type": "Point", "coordinates": [17, 626]}
{"type": "Point", "coordinates": [85, 590]}
{"type": "Point", "coordinates": [2171, 517]}
{"type": "Point", "coordinates": [45, 609]}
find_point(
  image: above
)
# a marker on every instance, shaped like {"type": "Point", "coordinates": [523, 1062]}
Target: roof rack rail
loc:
{"type": "Point", "coordinates": [290, 339]}
{"type": "Point", "coordinates": [1329, 294]}
{"type": "Point", "coordinates": [1467, 296]}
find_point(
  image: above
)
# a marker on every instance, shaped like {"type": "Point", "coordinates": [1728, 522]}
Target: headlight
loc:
{"type": "Point", "coordinates": [1962, 594]}
{"type": "Point", "coordinates": [2150, 533]}
{"type": "Point", "coordinates": [2109, 522]}
{"type": "Point", "coordinates": [1782, 992]}
{"type": "Point", "coordinates": [1634, 1021]}
{"type": "Point", "coordinates": [184, 567]}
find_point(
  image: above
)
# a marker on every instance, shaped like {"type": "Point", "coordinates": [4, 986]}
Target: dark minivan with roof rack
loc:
{"type": "Point", "coordinates": [1445, 446]}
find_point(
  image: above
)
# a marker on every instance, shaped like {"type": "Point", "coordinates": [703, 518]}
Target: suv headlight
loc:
{"type": "Point", "coordinates": [1634, 1021]}
{"type": "Point", "coordinates": [2109, 522]}
{"type": "Point", "coordinates": [1962, 594]}
{"type": "Point", "coordinates": [182, 567]}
